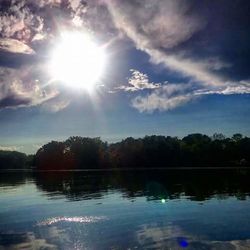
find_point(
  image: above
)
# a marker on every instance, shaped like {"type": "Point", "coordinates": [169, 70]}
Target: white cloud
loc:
{"type": "Point", "coordinates": [170, 96]}
{"type": "Point", "coordinates": [36, 146]}
{"type": "Point", "coordinates": [14, 46]}
{"type": "Point", "coordinates": [198, 71]}
{"type": "Point", "coordinates": [56, 104]}
{"type": "Point", "coordinates": [10, 148]}
{"type": "Point", "coordinates": [155, 101]}
{"type": "Point", "coordinates": [157, 25]}
{"type": "Point", "coordinates": [138, 81]}
{"type": "Point", "coordinates": [18, 89]}
{"type": "Point", "coordinates": [230, 88]}
{"type": "Point", "coordinates": [166, 98]}
{"type": "Point", "coordinates": [27, 29]}
{"type": "Point", "coordinates": [29, 20]}
{"type": "Point", "coordinates": [18, 21]}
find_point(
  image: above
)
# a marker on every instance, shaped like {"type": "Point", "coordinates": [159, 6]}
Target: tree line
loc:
{"type": "Point", "coordinates": [15, 160]}
{"type": "Point", "coordinates": [194, 150]}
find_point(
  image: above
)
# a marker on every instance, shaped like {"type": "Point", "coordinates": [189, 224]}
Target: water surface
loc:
{"type": "Point", "coordinates": [174, 209]}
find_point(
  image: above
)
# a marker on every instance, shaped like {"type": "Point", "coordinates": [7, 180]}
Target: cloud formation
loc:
{"type": "Point", "coordinates": [155, 24]}
{"type": "Point", "coordinates": [159, 100]}
{"type": "Point", "coordinates": [160, 25]}
{"type": "Point", "coordinates": [14, 46]}
{"type": "Point", "coordinates": [18, 22]}
{"type": "Point", "coordinates": [23, 23]}
{"type": "Point", "coordinates": [159, 28]}
{"type": "Point", "coordinates": [28, 30]}
{"type": "Point", "coordinates": [168, 96]}
{"type": "Point", "coordinates": [56, 104]}
{"type": "Point", "coordinates": [138, 81]}
{"type": "Point", "coordinates": [17, 89]}
{"type": "Point", "coordinates": [9, 148]}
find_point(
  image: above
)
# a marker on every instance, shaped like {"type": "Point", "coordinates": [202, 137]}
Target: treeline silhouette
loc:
{"type": "Point", "coordinates": [15, 160]}
{"type": "Point", "coordinates": [194, 150]}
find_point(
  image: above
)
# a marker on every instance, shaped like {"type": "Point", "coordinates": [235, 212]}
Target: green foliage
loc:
{"type": "Point", "coordinates": [194, 150]}
{"type": "Point", "coordinates": [237, 137]}
{"type": "Point", "coordinates": [14, 160]}
{"type": "Point", "coordinates": [218, 136]}
{"type": "Point", "coordinates": [86, 151]}
{"type": "Point", "coordinates": [54, 155]}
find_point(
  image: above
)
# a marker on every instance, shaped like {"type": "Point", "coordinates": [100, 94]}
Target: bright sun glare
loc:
{"type": "Point", "coordinates": [77, 61]}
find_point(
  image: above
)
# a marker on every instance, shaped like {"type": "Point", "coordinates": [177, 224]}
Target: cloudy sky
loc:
{"type": "Point", "coordinates": [172, 67]}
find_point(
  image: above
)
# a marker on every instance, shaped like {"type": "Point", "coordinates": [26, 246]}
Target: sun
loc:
{"type": "Point", "coordinates": [77, 61]}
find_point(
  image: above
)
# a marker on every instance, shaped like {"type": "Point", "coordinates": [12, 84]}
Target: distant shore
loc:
{"type": "Point", "coordinates": [194, 151]}
{"type": "Point", "coordinates": [126, 169]}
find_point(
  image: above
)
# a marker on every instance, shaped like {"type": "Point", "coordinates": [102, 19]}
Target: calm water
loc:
{"type": "Point", "coordinates": [182, 209]}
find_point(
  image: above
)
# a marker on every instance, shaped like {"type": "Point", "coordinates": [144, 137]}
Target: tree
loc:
{"type": "Point", "coordinates": [218, 136]}
{"type": "Point", "coordinates": [13, 160]}
{"type": "Point", "coordinates": [54, 155]}
{"type": "Point", "coordinates": [194, 150]}
{"type": "Point", "coordinates": [237, 137]}
{"type": "Point", "coordinates": [87, 152]}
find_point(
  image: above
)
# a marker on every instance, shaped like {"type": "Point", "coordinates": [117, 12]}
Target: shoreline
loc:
{"type": "Point", "coordinates": [125, 169]}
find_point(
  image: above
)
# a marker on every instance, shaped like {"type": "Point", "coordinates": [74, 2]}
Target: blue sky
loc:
{"type": "Point", "coordinates": [172, 68]}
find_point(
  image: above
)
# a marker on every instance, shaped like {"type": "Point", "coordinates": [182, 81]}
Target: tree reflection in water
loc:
{"type": "Point", "coordinates": [198, 185]}
{"type": "Point", "coordinates": [151, 224]}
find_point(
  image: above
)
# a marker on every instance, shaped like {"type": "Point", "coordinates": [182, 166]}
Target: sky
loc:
{"type": "Point", "coordinates": [169, 67]}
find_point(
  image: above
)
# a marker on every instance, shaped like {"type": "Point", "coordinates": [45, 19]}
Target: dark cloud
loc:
{"type": "Point", "coordinates": [226, 34]}
{"type": "Point", "coordinates": [19, 89]}
{"type": "Point", "coordinates": [16, 60]}
{"type": "Point", "coordinates": [15, 54]}
{"type": "Point", "coordinates": [14, 101]}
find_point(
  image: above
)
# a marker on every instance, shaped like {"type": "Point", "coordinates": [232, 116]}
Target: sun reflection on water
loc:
{"type": "Point", "coordinates": [76, 219]}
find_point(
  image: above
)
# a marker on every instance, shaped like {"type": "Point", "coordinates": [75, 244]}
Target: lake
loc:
{"type": "Point", "coordinates": [153, 209]}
